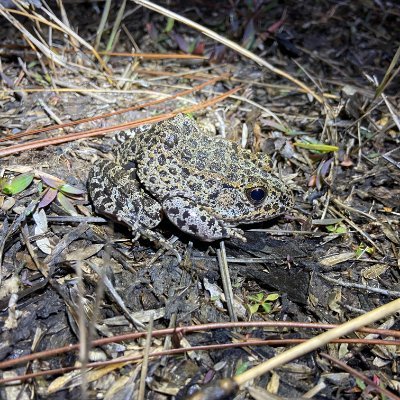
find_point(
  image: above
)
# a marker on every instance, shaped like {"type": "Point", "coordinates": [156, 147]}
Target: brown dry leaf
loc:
{"type": "Point", "coordinates": [172, 380]}
{"type": "Point", "coordinates": [273, 384]}
{"type": "Point", "coordinates": [386, 353]}
{"type": "Point", "coordinates": [120, 384]}
{"type": "Point", "coordinates": [390, 234]}
{"type": "Point", "coordinates": [26, 260]}
{"type": "Point", "coordinates": [337, 258]}
{"type": "Point", "coordinates": [374, 271]}
{"type": "Point", "coordinates": [19, 169]}
{"type": "Point", "coordinates": [334, 297]}
{"type": "Point", "coordinates": [8, 204]}
{"type": "Point", "coordinates": [41, 227]}
{"type": "Point", "coordinates": [74, 378]}
{"type": "Point", "coordinates": [343, 350]}
{"type": "Point", "coordinates": [313, 299]}
{"type": "Point", "coordinates": [123, 386]}
{"type": "Point", "coordinates": [83, 254]}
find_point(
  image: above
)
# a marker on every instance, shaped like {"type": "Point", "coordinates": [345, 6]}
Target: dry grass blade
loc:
{"type": "Point", "coordinates": [83, 42]}
{"type": "Point", "coordinates": [103, 21]}
{"type": "Point", "coordinates": [145, 364]}
{"type": "Point", "coordinates": [228, 43]}
{"type": "Point", "coordinates": [114, 33]}
{"type": "Point", "coordinates": [388, 76]}
{"type": "Point", "coordinates": [155, 56]}
{"type": "Point", "coordinates": [59, 25]}
{"type": "Point", "coordinates": [226, 281]}
{"type": "Point", "coordinates": [395, 115]}
{"type": "Point", "coordinates": [364, 234]}
{"type": "Point", "coordinates": [31, 39]}
{"type": "Point", "coordinates": [125, 360]}
{"type": "Point", "coordinates": [186, 330]}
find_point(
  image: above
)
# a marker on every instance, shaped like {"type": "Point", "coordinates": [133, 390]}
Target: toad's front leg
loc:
{"type": "Point", "coordinates": [197, 221]}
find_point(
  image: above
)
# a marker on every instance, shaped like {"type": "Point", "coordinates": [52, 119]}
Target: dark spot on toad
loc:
{"type": "Point", "coordinates": [161, 159]}
{"type": "Point", "coordinates": [170, 141]}
{"type": "Point", "coordinates": [193, 228]}
{"type": "Point", "coordinates": [211, 222]}
{"type": "Point", "coordinates": [173, 211]}
{"type": "Point", "coordinates": [180, 223]}
{"type": "Point", "coordinates": [186, 214]}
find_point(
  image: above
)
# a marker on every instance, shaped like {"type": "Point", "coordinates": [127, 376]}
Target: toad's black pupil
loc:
{"type": "Point", "coordinates": [257, 194]}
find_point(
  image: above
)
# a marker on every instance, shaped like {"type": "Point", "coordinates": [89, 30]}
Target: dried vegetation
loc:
{"type": "Point", "coordinates": [87, 313]}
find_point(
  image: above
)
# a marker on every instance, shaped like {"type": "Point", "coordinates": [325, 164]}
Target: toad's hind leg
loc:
{"type": "Point", "coordinates": [196, 220]}
{"type": "Point", "coordinates": [116, 193]}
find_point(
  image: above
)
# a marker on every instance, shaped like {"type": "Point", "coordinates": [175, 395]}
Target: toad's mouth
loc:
{"type": "Point", "coordinates": [232, 222]}
{"type": "Point", "coordinates": [272, 208]}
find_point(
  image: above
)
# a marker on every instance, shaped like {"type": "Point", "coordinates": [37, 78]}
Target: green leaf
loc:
{"type": "Point", "coordinates": [66, 204]}
{"type": "Point", "coordinates": [338, 228]}
{"type": "Point", "coordinates": [359, 251]}
{"type": "Point", "coordinates": [364, 249]}
{"type": "Point", "coordinates": [68, 189]}
{"type": "Point", "coordinates": [256, 297]}
{"type": "Point", "coordinates": [192, 46]}
{"type": "Point", "coordinates": [360, 383]}
{"type": "Point", "coordinates": [370, 250]}
{"type": "Point", "coordinates": [241, 368]}
{"type": "Point", "coordinates": [253, 308]}
{"type": "Point", "coordinates": [18, 184]}
{"type": "Point", "coordinates": [170, 25]}
{"type": "Point", "coordinates": [272, 297]}
{"type": "Point", "coordinates": [267, 307]}
{"type": "Point", "coordinates": [324, 148]}
{"type": "Point", "coordinates": [341, 229]}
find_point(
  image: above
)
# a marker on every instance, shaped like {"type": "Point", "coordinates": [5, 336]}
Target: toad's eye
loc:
{"type": "Point", "coordinates": [256, 195]}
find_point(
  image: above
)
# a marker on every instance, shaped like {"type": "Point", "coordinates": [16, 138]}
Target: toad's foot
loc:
{"type": "Point", "coordinates": [157, 237]}
{"type": "Point", "coordinates": [236, 233]}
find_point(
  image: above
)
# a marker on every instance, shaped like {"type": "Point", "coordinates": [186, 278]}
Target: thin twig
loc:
{"type": "Point", "coordinates": [145, 363]}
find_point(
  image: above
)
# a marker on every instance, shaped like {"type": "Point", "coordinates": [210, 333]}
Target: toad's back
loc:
{"type": "Point", "coordinates": [174, 158]}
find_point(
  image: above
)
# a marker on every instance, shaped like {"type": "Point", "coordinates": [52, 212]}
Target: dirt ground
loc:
{"type": "Point", "coordinates": [70, 276]}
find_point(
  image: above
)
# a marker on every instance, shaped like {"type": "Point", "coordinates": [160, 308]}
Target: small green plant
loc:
{"type": "Point", "coordinates": [362, 248]}
{"type": "Point", "coordinates": [57, 188]}
{"type": "Point", "coordinates": [262, 301]}
{"type": "Point", "coordinates": [337, 228]}
{"type": "Point", "coordinates": [49, 186]}
{"type": "Point", "coordinates": [241, 367]}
